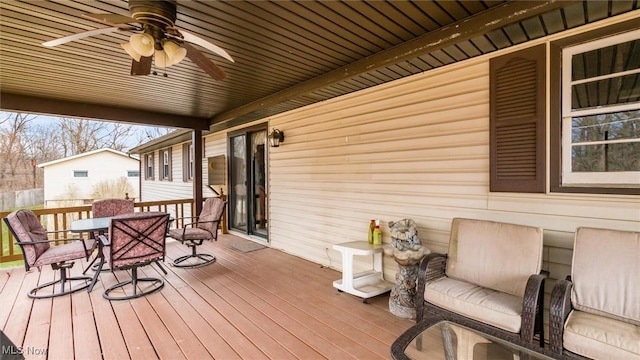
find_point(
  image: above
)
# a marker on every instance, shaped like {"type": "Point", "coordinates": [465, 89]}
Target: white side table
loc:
{"type": "Point", "coordinates": [365, 284]}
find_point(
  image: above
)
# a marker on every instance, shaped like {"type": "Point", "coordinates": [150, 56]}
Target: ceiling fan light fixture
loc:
{"type": "Point", "coordinates": [174, 51]}
{"type": "Point", "coordinates": [161, 59]}
{"type": "Point", "coordinates": [142, 44]}
{"type": "Point", "coordinates": [127, 47]}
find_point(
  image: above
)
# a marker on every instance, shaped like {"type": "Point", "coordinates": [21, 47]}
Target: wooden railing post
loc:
{"type": "Point", "coordinates": [223, 196]}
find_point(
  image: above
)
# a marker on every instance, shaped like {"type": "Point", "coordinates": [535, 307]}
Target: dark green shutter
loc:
{"type": "Point", "coordinates": [517, 125]}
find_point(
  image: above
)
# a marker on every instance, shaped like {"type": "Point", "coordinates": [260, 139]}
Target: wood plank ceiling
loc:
{"type": "Point", "coordinates": [287, 53]}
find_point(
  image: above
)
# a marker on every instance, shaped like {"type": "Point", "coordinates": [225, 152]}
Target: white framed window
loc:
{"type": "Point", "coordinates": [601, 112]}
{"type": "Point", "coordinates": [133, 173]}
{"type": "Point", "coordinates": [165, 169]}
{"type": "Point", "coordinates": [149, 167]}
{"type": "Point", "coordinates": [80, 173]}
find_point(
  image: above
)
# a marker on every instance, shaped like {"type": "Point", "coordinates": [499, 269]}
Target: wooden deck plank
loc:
{"type": "Point", "coordinates": [138, 343]}
{"type": "Point", "coordinates": [271, 304]}
{"type": "Point", "coordinates": [36, 339]}
{"type": "Point", "coordinates": [260, 305]}
{"type": "Point", "coordinates": [85, 335]}
{"type": "Point", "coordinates": [324, 342]}
{"type": "Point", "coordinates": [317, 307]}
{"type": "Point", "coordinates": [23, 307]}
{"type": "Point", "coordinates": [287, 290]}
{"type": "Point", "coordinates": [156, 329]}
{"type": "Point", "coordinates": [4, 276]}
{"type": "Point", "coordinates": [176, 325]}
{"type": "Point", "coordinates": [10, 293]}
{"type": "Point", "coordinates": [61, 336]}
{"type": "Point", "coordinates": [292, 344]}
{"type": "Point", "coordinates": [360, 344]}
{"type": "Point", "coordinates": [216, 346]}
{"type": "Point", "coordinates": [243, 346]}
{"type": "Point", "coordinates": [240, 340]}
{"type": "Point", "coordinates": [112, 343]}
{"type": "Point", "coordinates": [321, 280]}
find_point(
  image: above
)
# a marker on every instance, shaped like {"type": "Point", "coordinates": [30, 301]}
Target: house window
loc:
{"type": "Point", "coordinates": [149, 167]}
{"type": "Point", "coordinates": [187, 162]}
{"type": "Point", "coordinates": [80, 173]}
{"type": "Point", "coordinates": [165, 158]}
{"type": "Point", "coordinates": [601, 112]}
{"type": "Point", "coordinates": [133, 173]}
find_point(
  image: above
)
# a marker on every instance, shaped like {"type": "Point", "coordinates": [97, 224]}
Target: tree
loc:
{"type": "Point", "coordinates": [151, 133]}
{"type": "Point", "coordinates": [80, 136]}
{"type": "Point", "coordinates": [27, 139]}
{"type": "Point", "coordinates": [15, 165]}
{"type": "Point", "coordinates": [112, 188]}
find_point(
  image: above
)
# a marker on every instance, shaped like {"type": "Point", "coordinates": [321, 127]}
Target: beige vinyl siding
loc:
{"type": "Point", "coordinates": [178, 189]}
{"type": "Point", "coordinates": [163, 189]}
{"type": "Point", "coordinates": [416, 148]}
{"type": "Point", "coordinates": [408, 149]}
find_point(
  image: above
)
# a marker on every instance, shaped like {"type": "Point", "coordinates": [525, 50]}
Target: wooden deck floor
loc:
{"type": "Point", "coordinates": [258, 305]}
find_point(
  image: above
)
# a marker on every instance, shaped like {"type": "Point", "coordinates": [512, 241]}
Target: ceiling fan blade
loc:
{"type": "Point", "coordinates": [142, 67]}
{"type": "Point", "coordinates": [204, 62]}
{"type": "Point", "coordinates": [110, 19]}
{"type": "Point", "coordinates": [205, 44]}
{"type": "Point", "coordinates": [80, 35]}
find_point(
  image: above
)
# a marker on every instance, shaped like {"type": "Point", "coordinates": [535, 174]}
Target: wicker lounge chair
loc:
{"type": "Point", "coordinates": [595, 312]}
{"type": "Point", "coordinates": [489, 280]}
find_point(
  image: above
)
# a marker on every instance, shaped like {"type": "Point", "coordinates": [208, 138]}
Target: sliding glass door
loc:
{"type": "Point", "coordinates": [247, 179]}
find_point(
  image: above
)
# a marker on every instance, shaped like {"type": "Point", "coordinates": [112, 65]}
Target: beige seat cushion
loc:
{"type": "Point", "coordinates": [606, 273]}
{"type": "Point", "coordinates": [599, 337]}
{"type": "Point", "coordinates": [494, 255]}
{"type": "Point", "coordinates": [496, 308]}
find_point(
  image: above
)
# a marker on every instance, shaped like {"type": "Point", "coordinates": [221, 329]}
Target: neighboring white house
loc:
{"type": "Point", "coordinates": [82, 178]}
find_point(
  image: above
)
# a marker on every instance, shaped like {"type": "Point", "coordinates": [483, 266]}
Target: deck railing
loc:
{"type": "Point", "coordinates": [58, 222]}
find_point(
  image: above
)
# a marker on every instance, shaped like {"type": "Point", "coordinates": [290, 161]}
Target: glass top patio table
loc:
{"type": "Point", "coordinates": [90, 225]}
{"type": "Point", "coordinates": [445, 340]}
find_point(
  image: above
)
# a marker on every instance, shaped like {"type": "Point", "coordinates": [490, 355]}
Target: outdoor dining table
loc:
{"type": "Point", "coordinates": [93, 225]}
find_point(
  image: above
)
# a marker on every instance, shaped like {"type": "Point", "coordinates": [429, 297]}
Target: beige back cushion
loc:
{"type": "Point", "coordinates": [606, 273]}
{"type": "Point", "coordinates": [495, 255]}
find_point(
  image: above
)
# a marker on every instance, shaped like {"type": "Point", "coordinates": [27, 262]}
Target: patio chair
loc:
{"type": "Point", "coordinates": [109, 208]}
{"type": "Point", "coordinates": [595, 312]}
{"type": "Point", "coordinates": [37, 251]}
{"type": "Point", "coordinates": [135, 240]}
{"type": "Point", "coordinates": [489, 281]}
{"type": "Point", "coordinates": [193, 234]}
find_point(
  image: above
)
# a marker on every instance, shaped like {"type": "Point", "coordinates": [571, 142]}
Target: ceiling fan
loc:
{"type": "Point", "coordinates": [155, 38]}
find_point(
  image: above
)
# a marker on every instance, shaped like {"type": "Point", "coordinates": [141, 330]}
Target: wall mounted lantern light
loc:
{"type": "Point", "coordinates": [276, 137]}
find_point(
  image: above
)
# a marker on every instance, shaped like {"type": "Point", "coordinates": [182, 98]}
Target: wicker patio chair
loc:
{"type": "Point", "coordinates": [37, 251]}
{"type": "Point", "coordinates": [490, 280]}
{"type": "Point", "coordinates": [135, 240]}
{"type": "Point", "coordinates": [595, 312]}
{"type": "Point", "coordinates": [193, 234]}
